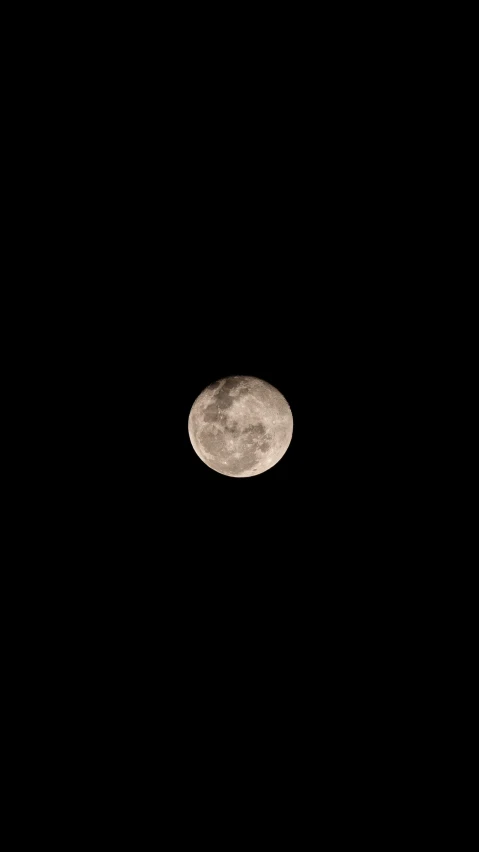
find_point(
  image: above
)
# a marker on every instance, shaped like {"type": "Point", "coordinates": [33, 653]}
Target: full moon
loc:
{"type": "Point", "coordinates": [240, 426]}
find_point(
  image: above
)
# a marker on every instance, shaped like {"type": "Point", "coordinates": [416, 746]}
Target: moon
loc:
{"type": "Point", "coordinates": [240, 426]}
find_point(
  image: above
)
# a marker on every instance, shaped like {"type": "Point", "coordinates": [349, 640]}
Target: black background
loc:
{"type": "Point", "coordinates": [236, 211]}
{"type": "Point", "coordinates": [239, 239]}
{"type": "Point", "coordinates": [232, 220]}
{"type": "Point", "coordinates": [230, 217]}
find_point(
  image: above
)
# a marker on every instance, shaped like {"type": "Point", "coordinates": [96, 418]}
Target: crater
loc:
{"type": "Point", "coordinates": [234, 465]}
{"type": "Point", "coordinates": [229, 392]}
{"type": "Point", "coordinates": [224, 400]}
{"type": "Point", "coordinates": [212, 442]}
{"type": "Point", "coordinates": [210, 413]}
{"type": "Point", "coordinates": [255, 429]}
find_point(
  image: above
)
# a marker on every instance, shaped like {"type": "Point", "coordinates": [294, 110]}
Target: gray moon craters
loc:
{"type": "Point", "coordinates": [240, 426]}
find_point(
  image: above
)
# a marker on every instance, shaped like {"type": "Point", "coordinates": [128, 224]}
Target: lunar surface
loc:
{"type": "Point", "coordinates": [240, 426]}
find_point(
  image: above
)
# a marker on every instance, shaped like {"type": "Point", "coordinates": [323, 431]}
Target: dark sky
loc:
{"type": "Point", "coordinates": [232, 224]}
{"type": "Point", "coordinates": [207, 210]}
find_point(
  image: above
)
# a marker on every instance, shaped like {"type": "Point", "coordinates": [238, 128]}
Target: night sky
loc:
{"type": "Point", "coordinates": [241, 238]}
{"type": "Point", "coordinates": [231, 224]}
